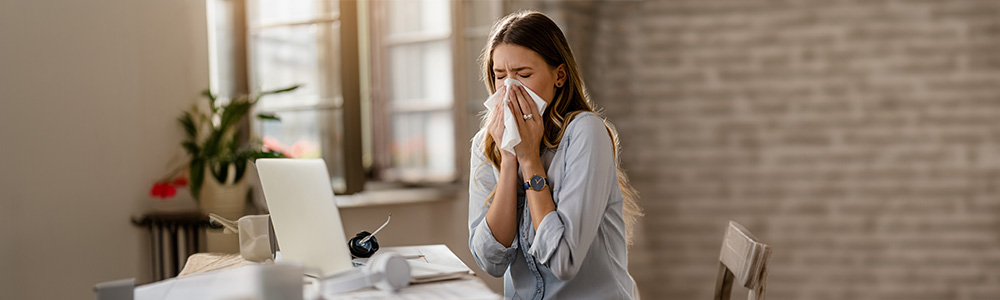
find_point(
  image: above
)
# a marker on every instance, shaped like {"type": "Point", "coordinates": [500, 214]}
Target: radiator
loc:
{"type": "Point", "coordinates": [172, 238]}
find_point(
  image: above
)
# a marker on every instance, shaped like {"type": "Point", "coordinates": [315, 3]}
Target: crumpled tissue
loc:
{"type": "Point", "coordinates": [511, 135]}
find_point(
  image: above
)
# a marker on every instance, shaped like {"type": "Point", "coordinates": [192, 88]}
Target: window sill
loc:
{"type": "Point", "coordinates": [396, 195]}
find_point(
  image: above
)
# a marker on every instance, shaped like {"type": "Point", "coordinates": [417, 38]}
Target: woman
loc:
{"type": "Point", "coordinates": [552, 217]}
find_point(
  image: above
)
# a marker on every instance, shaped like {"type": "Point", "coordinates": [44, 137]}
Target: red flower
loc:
{"type": "Point", "coordinates": [159, 190]}
{"type": "Point", "coordinates": [180, 181]}
{"type": "Point", "coordinates": [169, 192]}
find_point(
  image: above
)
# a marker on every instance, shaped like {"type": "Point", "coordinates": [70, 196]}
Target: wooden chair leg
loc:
{"type": "Point", "coordinates": [724, 283]}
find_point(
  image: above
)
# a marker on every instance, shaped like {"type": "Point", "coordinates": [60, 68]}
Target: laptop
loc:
{"type": "Point", "coordinates": [304, 214]}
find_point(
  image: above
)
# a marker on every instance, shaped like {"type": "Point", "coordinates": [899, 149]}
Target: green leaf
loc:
{"type": "Point", "coordinates": [241, 167]}
{"type": "Point", "coordinates": [268, 116]}
{"type": "Point", "coordinates": [211, 146]}
{"type": "Point", "coordinates": [211, 100]}
{"type": "Point", "coordinates": [197, 175]}
{"type": "Point", "coordinates": [191, 147]}
{"type": "Point", "coordinates": [187, 122]}
{"type": "Point", "coordinates": [208, 94]}
{"type": "Point", "coordinates": [279, 91]}
{"type": "Point", "coordinates": [224, 135]}
{"type": "Point", "coordinates": [271, 92]}
{"type": "Point", "coordinates": [233, 113]}
{"type": "Point", "coordinates": [220, 170]}
{"type": "Point", "coordinates": [266, 154]}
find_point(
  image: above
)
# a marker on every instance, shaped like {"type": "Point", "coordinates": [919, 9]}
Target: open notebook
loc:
{"type": "Point", "coordinates": [428, 263]}
{"type": "Point", "coordinates": [422, 272]}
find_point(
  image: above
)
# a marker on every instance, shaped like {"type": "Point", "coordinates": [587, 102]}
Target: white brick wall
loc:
{"type": "Point", "coordinates": [860, 138]}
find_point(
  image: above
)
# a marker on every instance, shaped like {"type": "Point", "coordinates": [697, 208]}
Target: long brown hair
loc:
{"type": "Point", "coordinates": [535, 31]}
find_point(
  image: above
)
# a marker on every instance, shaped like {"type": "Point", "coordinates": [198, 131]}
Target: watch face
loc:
{"type": "Point", "coordinates": [537, 183]}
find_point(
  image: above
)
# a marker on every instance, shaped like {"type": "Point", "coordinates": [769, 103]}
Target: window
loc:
{"type": "Point", "coordinates": [390, 89]}
{"type": "Point", "coordinates": [312, 43]}
{"type": "Point", "coordinates": [413, 91]}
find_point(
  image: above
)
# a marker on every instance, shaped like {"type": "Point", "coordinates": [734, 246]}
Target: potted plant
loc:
{"type": "Point", "coordinates": [218, 158]}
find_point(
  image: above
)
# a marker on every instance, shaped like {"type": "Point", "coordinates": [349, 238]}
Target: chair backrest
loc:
{"type": "Point", "coordinates": [743, 259]}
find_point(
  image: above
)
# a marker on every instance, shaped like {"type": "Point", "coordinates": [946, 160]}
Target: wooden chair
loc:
{"type": "Point", "coordinates": [744, 259]}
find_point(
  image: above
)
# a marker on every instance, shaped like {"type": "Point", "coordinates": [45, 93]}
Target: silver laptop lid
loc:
{"type": "Point", "coordinates": [306, 220]}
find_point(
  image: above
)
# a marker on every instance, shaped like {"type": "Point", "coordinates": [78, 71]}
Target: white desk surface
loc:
{"type": "Point", "coordinates": [465, 287]}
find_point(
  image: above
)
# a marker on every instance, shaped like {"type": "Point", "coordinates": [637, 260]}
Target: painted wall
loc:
{"type": "Point", "coordinates": [861, 139]}
{"type": "Point", "coordinates": [89, 91]}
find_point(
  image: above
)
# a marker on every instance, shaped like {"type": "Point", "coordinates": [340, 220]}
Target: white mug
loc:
{"type": "Point", "coordinates": [255, 243]}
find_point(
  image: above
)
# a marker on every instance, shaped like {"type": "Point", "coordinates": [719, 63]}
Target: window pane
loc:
{"type": "Point", "coordinates": [283, 11]}
{"type": "Point", "coordinates": [422, 146]}
{"type": "Point", "coordinates": [409, 16]}
{"type": "Point", "coordinates": [308, 134]}
{"type": "Point", "coordinates": [418, 141]}
{"type": "Point", "coordinates": [297, 42]}
{"type": "Point", "coordinates": [306, 55]}
{"type": "Point", "coordinates": [421, 73]}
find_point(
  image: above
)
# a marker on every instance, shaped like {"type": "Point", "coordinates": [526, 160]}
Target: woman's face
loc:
{"type": "Point", "coordinates": [528, 67]}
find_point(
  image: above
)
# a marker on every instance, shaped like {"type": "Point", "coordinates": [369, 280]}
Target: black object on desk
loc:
{"type": "Point", "coordinates": [172, 238]}
{"type": "Point", "coordinates": [365, 244]}
{"type": "Point", "coordinates": [362, 247]}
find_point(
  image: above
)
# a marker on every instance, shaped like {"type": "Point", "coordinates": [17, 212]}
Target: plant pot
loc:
{"type": "Point", "coordinates": [227, 199]}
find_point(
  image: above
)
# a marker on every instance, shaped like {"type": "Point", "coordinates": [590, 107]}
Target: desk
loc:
{"type": "Point", "coordinates": [466, 286]}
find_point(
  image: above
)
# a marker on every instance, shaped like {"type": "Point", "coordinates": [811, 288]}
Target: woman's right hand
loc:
{"type": "Point", "coordinates": [495, 127]}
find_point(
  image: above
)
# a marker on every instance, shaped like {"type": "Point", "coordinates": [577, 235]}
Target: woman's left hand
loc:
{"type": "Point", "coordinates": [530, 128]}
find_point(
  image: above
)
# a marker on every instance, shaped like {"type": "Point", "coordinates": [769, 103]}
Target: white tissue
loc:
{"type": "Point", "coordinates": [511, 136]}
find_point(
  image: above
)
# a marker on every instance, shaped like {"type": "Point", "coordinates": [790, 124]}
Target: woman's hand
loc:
{"type": "Point", "coordinates": [530, 129]}
{"type": "Point", "coordinates": [495, 127]}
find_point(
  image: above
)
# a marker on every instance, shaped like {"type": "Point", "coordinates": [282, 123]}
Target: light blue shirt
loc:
{"type": "Point", "coordinates": [579, 250]}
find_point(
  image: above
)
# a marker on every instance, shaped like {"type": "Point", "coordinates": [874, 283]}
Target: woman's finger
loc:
{"type": "Point", "coordinates": [499, 104]}
{"type": "Point", "coordinates": [515, 101]}
{"type": "Point", "coordinates": [516, 111]}
{"type": "Point", "coordinates": [521, 101]}
{"type": "Point", "coordinates": [527, 103]}
{"type": "Point", "coordinates": [525, 100]}
{"type": "Point", "coordinates": [497, 113]}
{"type": "Point", "coordinates": [496, 126]}
{"type": "Point", "coordinates": [522, 109]}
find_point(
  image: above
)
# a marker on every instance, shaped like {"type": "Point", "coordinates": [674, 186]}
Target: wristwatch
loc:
{"type": "Point", "coordinates": [536, 182]}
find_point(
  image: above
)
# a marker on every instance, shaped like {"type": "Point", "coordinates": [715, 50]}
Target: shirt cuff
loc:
{"type": "Point", "coordinates": [493, 251]}
{"type": "Point", "coordinates": [547, 237]}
